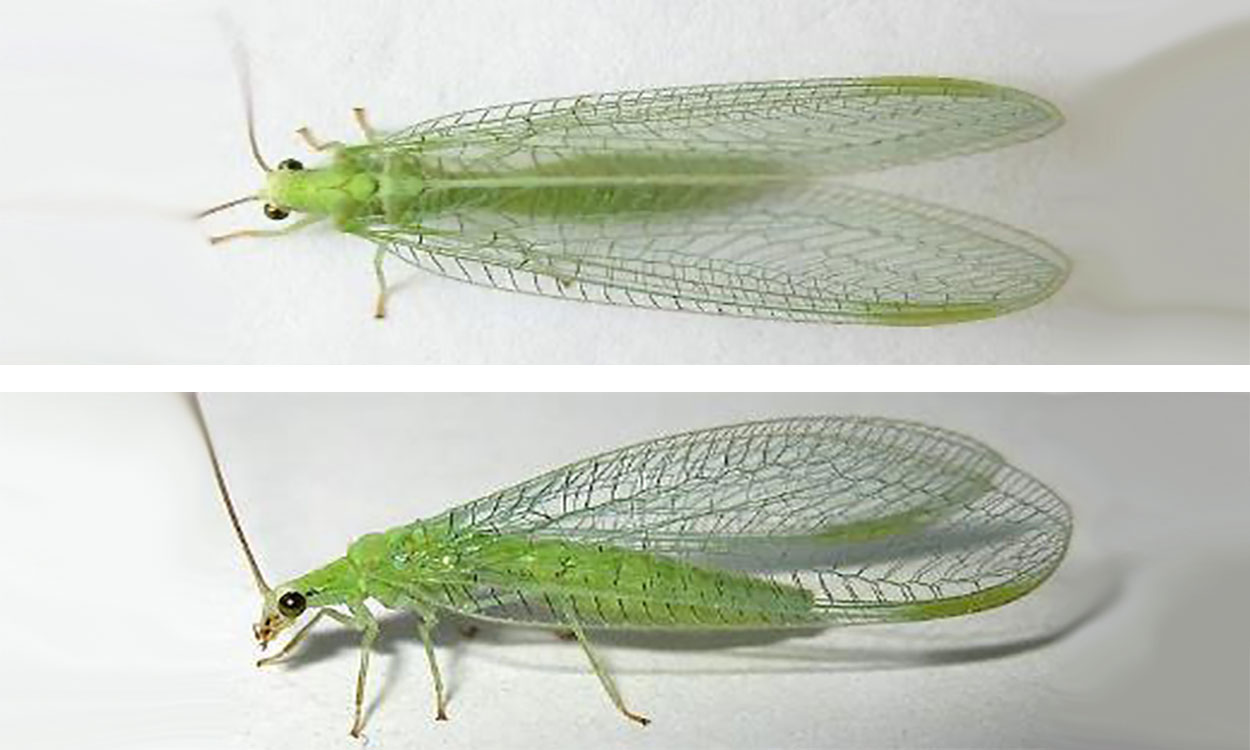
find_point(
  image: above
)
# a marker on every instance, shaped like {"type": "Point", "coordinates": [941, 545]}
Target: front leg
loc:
{"type": "Point", "coordinates": [291, 644]}
{"type": "Point", "coordinates": [362, 121]}
{"type": "Point", "coordinates": [293, 227]}
{"type": "Point", "coordinates": [315, 143]}
{"type": "Point", "coordinates": [299, 636]}
{"type": "Point", "coordinates": [362, 618]}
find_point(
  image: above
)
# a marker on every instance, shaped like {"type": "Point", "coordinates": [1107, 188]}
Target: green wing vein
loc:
{"type": "Point", "coordinates": [828, 126]}
{"type": "Point", "coordinates": [827, 520]}
{"type": "Point", "coordinates": [708, 199]}
{"type": "Point", "coordinates": [813, 253]}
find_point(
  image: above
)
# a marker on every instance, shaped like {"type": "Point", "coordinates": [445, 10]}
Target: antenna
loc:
{"type": "Point", "coordinates": [227, 204]}
{"type": "Point", "coordinates": [239, 56]}
{"type": "Point", "coordinates": [245, 81]}
{"type": "Point", "coordinates": [225, 495]}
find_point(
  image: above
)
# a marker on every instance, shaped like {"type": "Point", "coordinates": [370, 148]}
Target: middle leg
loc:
{"type": "Point", "coordinates": [379, 309]}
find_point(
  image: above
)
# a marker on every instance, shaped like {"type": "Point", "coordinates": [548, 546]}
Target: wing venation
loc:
{"type": "Point", "coordinates": [806, 252]}
{"type": "Point", "coordinates": [878, 520]}
{"type": "Point", "coordinates": [825, 125]}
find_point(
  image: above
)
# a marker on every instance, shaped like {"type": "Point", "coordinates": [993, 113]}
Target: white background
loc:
{"type": "Point", "coordinates": [122, 116]}
{"type": "Point", "coordinates": [128, 606]}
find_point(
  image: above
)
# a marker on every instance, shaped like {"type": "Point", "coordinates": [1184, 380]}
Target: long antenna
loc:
{"type": "Point", "coordinates": [245, 81]}
{"type": "Point", "coordinates": [239, 57]}
{"type": "Point", "coordinates": [225, 495]}
{"type": "Point", "coordinates": [227, 204]}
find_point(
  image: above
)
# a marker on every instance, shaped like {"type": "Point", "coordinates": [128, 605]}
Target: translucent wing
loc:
{"type": "Point", "coordinates": [824, 125]}
{"type": "Point", "coordinates": [878, 520]}
{"type": "Point", "coordinates": [807, 252]}
{"type": "Point", "coordinates": [700, 198]}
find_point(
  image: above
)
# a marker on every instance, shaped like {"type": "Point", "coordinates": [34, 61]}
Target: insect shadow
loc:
{"type": "Point", "coordinates": [1175, 96]}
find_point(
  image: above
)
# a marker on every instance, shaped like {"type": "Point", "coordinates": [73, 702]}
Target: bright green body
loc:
{"type": "Point", "coordinates": [366, 187]}
{"type": "Point", "coordinates": [404, 187]}
{"type": "Point", "coordinates": [709, 198]}
{"type": "Point", "coordinates": [839, 521]}
{"type": "Point", "coordinates": [367, 191]}
{"type": "Point", "coordinates": [422, 566]}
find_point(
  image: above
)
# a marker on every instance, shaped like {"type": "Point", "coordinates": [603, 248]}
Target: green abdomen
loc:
{"type": "Point", "coordinates": [551, 580]}
{"type": "Point", "coordinates": [584, 188]}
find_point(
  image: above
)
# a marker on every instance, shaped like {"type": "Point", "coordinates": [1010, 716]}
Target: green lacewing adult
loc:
{"type": "Point", "coordinates": [704, 198]}
{"type": "Point", "coordinates": [784, 523]}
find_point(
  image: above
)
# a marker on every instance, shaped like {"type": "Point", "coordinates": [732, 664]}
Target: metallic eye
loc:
{"type": "Point", "coordinates": [276, 213]}
{"type": "Point", "coordinates": [292, 604]}
{"type": "Point", "coordinates": [292, 165]}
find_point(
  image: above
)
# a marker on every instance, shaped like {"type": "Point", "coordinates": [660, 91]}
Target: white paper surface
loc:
{"type": "Point", "coordinates": [123, 112]}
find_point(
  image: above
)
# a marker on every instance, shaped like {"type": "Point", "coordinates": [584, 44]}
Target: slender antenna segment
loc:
{"type": "Point", "coordinates": [225, 496]}
{"type": "Point", "coordinates": [227, 204]}
{"type": "Point", "coordinates": [245, 83]}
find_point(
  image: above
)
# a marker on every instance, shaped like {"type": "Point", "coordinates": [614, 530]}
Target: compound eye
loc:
{"type": "Point", "coordinates": [292, 165]}
{"type": "Point", "coordinates": [276, 213]}
{"type": "Point", "coordinates": [292, 604]}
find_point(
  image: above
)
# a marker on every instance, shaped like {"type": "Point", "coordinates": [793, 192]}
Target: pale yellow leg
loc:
{"type": "Point", "coordinates": [291, 644]}
{"type": "Point", "coordinates": [314, 144]}
{"type": "Point", "coordinates": [364, 620]}
{"type": "Point", "coordinates": [604, 678]}
{"type": "Point", "coordinates": [362, 121]}
{"type": "Point", "coordinates": [299, 636]}
{"type": "Point", "coordinates": [426, 629]}
{"type": "Point", "coordinates": [379, 309]}
{"type": "Point", "coordinates": [304, 222]}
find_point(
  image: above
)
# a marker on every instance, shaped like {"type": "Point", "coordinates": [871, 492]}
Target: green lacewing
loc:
{"type": "Point", "coordinates": [711, 198]}
{"type": "Point", "coordinates": [784, 523]}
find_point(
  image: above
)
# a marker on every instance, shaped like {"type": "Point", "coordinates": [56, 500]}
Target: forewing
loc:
{"type": "Point", "coordinates": [823, 125]}
{"type": "Point", "coordinates": [879, 520]}
{"type": "Point", "coordinates": [805, 251]}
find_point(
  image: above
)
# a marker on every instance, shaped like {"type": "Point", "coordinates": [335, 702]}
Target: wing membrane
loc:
{"type": "Point", "coordinates": [879, 520]}
{"type": "Point", "coordinates": [701, 198]}
{"type": "Point", "coordinates": [807, 252]}
{"type": "Point", "coordinates": [826, 125]}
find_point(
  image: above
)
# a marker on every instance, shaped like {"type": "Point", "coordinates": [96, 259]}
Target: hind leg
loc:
{"type": "Point", "coordinates": [605, 679]}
